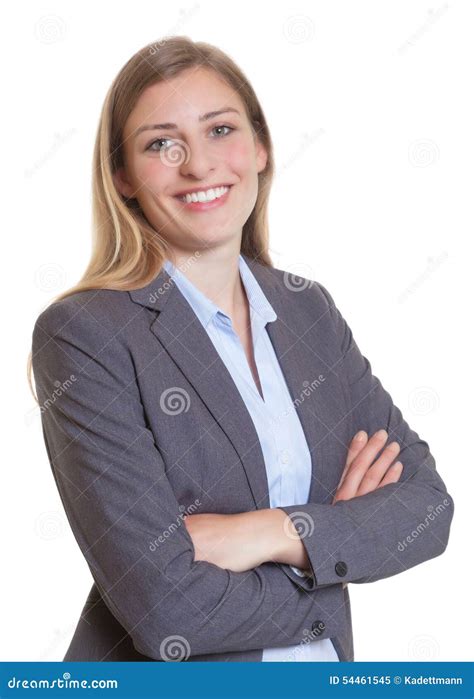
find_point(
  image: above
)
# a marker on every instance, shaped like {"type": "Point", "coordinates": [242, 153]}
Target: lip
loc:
{"type": "Point", "coordinates": [205, 205]}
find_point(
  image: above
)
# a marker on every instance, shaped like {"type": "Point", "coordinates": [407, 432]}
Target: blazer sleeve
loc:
{"type": "Point", "coordinates": [388, 530]}
{"type": "Point", "coordinates": [124, 514]}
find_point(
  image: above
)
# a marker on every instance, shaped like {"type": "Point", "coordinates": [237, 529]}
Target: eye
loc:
{"type": "Point", "coordinates": [157, 141]}
{"type": "Point", "coordinates": [223, 126]}
{"type": "Point", "coordinates": [160, 148]}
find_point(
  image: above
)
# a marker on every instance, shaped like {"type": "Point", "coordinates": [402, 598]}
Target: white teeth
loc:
{"type": "Point", "coordinates": [209, 195]}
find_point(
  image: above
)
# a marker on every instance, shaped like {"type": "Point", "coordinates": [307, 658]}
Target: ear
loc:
{"type": "Point", "coordinates": [121, 182]}
{"type": "Point", "coordinates": [261, 155]}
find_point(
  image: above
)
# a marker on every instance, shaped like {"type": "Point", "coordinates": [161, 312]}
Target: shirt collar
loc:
{"type": "Point", "coordinates": [206, 309]}
{"type": "Point", "coordinates": [257, 299]}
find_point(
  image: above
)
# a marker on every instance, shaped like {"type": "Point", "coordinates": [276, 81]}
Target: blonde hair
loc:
{"type": "Point", "coordinates": [127, 252]}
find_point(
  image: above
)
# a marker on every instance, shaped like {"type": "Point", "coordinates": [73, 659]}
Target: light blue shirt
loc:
{"type": "Point", "coordinates": [283, 442]}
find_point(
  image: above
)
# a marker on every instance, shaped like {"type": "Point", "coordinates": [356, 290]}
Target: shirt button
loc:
{"type": "Point", "coordinates": [341, 568]}
{"type": "Point", "coordinates": [285, 456]}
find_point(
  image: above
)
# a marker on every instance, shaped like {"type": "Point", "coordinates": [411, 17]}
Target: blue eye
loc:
{"type": "Point", "coordinates": [160, 148]}
{"type": "Point", "coordinates": [157, 141]}
{"type": "Point", "coordinates": [222, 126]}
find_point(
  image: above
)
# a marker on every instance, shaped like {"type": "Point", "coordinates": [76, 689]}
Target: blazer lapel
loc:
{"type": "Point", "coordinates": [303, 361]}
{"type": "Point", "coordinates": [181, 334]}
{"type": "Point", "coordinates": [304, 355]}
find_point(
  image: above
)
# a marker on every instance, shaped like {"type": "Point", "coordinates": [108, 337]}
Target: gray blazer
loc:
{"type": "Point", "coordinates": [143, 423]}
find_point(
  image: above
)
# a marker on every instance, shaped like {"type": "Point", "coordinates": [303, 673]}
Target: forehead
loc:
{"type": "Point", "coordinates": [183, 98]}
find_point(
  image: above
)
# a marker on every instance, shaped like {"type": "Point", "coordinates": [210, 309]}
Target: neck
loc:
{"type": "Point", "coordinates": [216, 274]}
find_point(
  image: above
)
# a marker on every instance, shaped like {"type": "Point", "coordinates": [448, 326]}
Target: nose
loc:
{"type": "Point", "coordinates": [198, 161]}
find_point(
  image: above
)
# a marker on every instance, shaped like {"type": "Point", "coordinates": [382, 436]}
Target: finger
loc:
{"type": "Point", "coordinates": [362, 462]}
{"type": "Point", "coordinates": [377, 471]}
{"type": "Point", "coordinates": [393, 474]}
{"type": "Point", "coordinates": [357, 444]}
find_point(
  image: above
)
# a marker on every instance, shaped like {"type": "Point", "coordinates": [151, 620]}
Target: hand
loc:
{"type": "Point", "coordinates": [236, 542]}
{"type": "Point", "coordinates": [360, 475]}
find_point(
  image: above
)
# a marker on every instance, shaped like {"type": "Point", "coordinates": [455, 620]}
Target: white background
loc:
{"type": "Point", "coordinates": [370, 110]}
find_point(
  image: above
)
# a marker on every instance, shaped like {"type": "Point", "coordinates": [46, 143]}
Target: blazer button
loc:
{"type": "Point", "coordinates": [341, 568]}
{"type": "Point", "coordinates": [317, 627]}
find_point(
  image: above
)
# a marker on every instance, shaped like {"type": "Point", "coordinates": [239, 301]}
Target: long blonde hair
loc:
{"type": "Point", "coordinates": [127, 252]}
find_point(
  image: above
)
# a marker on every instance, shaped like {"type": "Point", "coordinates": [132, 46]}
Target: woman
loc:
{"type": "Point", "coordinates": [227, 461]}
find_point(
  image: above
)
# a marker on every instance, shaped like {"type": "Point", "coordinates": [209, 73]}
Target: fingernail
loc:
{"type": "Point", "coordinates": [360, 436]}
{"type": "Point", "coordinates": [397, 464]}
{"type": "Point", "coordinates": [382, 433]}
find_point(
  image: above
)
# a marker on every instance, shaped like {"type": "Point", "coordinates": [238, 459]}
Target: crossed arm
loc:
{"type": "Point", "coordinates": [372, 514]}
{"type": "Point", "coordinates": [230, 541]}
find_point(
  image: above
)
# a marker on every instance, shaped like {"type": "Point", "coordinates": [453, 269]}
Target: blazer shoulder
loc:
{"type": "Point", "coordinates": [308, 293]}
{"type": "Point", "coordinates": [89, 327]}
{"type": "Point", "coordinates": [101, 310]}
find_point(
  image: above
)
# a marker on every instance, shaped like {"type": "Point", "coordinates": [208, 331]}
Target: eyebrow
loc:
{"type": "Point", "coordinates": [170, 125]}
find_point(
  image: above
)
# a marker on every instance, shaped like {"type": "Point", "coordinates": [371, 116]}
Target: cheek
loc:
{"type": "Point", "coordinates": [152, 174]}
{"type": "Point", "coordinates": [240, 157]}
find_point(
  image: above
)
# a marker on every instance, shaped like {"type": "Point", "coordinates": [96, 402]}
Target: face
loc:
{"type": "Point", "coordinates": [173, 144]}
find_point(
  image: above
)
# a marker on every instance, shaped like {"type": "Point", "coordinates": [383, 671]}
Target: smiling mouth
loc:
{"type": "Point", "coordinates": [205, 199]}
{"type": "Point", "coordinates": [204, 195]}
